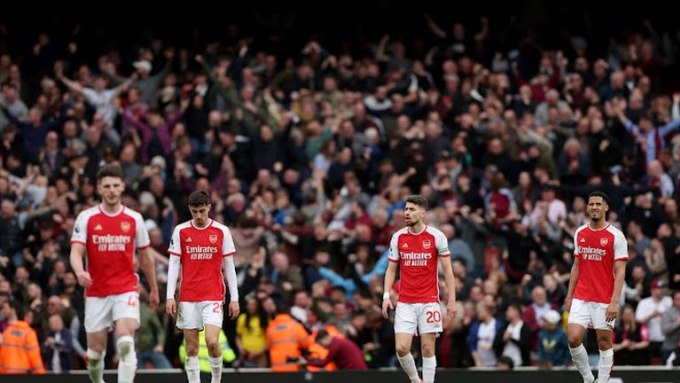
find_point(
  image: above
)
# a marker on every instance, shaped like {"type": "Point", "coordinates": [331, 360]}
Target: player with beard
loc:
{"type": "Point", "coordinates": [416, 249]}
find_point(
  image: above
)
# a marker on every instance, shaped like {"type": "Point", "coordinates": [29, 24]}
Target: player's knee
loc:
{"type": "Point", "coordinates": [428, 350]}
{"type": "Point", "coordinates": [574, 341]}
{"type": "Point", "coordinates": [94, 357]}
{"type": "Point", "coordinates": [212, 344]}
{"type": "Point", "coordinates": [125, 347]}
{"type": "Point", "coordinates": [604, 343]}
{"type": "Point", "coordinates": [402, 350]}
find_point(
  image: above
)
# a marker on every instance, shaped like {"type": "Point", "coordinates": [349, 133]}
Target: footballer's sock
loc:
{"type": "Point", "coordinates": [429, 367]}
{"type": "Point", "coordinates": [95, 365]}
{"type": "Point", "coordinates": [606, 364]}
{"type": "Point", "coordinates": [409, 365]}
{"type": "Point", "coordinates": [191, 366]}
{"type": "Point", "coordinates": [216, 368]}
{"type": "Point", "coordinates": [580, 357]}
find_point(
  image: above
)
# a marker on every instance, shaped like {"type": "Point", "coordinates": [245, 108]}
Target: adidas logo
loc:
{"type": "Point", "coordinates": [583, 240]}
{"type": "Point", "coordinates": [98, 228]}
{"type": "Point", "coordinates": [404, 246]}
{"type": "Point", "coordinates": [188, 240]}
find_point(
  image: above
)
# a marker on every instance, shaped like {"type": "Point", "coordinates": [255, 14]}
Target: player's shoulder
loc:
{"type": "Point", "coordinates": [614, 230]}
{"type": "Point", "coordinates": [183, 226]}
{"type": "Point", "coordinates": [133, 213]}
{"type": "Point", "coordinates": [402, 231]}
{"type": "Point", "coordinates": [434, 231]}
{"type": "Point", "coordinates": [220, 226]}
{"type": "Point", "coordinates": [581, 228]}
{"type": "Point", "coordinates": [89, 213]}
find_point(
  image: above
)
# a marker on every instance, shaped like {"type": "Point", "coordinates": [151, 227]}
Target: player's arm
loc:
{"type": "Point", "coordinates": [174, 266]}
{"type": "Point", "coordinates": [573, 277]}
{"type": "Point", "coordinates": [230, 273]}
{"type": "Point", "coordinates": [78, 241]}
{"type": "Point", "coordinates": [148, 265]}
{"type": "Point", "coordinates": [77, 253]}
{"type": "Point", "coordinates": [619, 276]}
{"type": "Point", "coordinates": [450, 280]}
{"type": "Point", "coordinates": [390, 276]}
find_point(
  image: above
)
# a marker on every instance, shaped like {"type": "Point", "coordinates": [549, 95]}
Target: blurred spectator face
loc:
{"type": "Point", "coordinates": [54, 305]}
{"type": "Point", "coordinates": [483, 313]}
{"type": "Point", "coordinates": [358, 321]}
{"type": "Point", "coordinates": [56, 323]}
{"type": "Point", "coordinates": [251, 305]}
{"type": "Point", "coordinates": [512, 313]}
{"type": "Point", "coordinates": [302, 299]}
{"type": "Point", "coordinates": [269, 306]}
{"type": "Point", "coordinates": [638, 273]}
{"type": "Point", "coordinates": [280, 262]}
{"type": "Point", "coordinates": [34, 291]}
{"type": "Point", "coordinates": [476, 294]}
{"type": "Point", "coordinates": [538, 295]}
{"type": "Point", "coordinates": [7, 208]}
{"type": "Point", "coordinates": [70, 279]}
{"type": "Point", "coordinates": [21, 275]}
{"type": "Point", "coordinates": [340, 310]}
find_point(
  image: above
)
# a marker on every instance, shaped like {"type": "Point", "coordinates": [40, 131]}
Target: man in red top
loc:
{"type": "Point", "coordinates": [416, 248]}
{"type": "Point", "coordinates": [600, 255]}
{"type": "Point", "coordinates": [109, 234]}
{"type": "Point", "coordinates": [345, 353]}
{"type": "Point", "coordinates": [201, 248]}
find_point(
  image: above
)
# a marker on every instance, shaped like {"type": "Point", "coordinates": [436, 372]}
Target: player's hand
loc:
{"type": "Point", "coordinates": [451, 309]}
{"type": "Point", "coordinates": [153, 299]}
{"type": "Point", "coordinates": [171, 307]}
{"type": "Point", "coordinates": [567, 303]}
{"type": "Point", "coordinates": [234, 310]}
{"type": "Point", "coordinates": [387, 305]}
{"type": "Point", "coordinates": [84, 279]}
{"type": "Point", "coordinates": [612, 311]}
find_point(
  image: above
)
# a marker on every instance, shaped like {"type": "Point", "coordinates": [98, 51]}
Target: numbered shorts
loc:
{"type": "Point", "coordinates": [102, 312]}
{"type": "Point", "coordinates": [194, 315]}
{"type": "Point", "coordinates": [418, 318]}
{"type": "Point", "coordinates": [590, 314]}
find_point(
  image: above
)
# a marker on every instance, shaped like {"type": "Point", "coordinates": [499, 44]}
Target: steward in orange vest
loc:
{"type": "Point", "coordinates": [285, 339]}
{"type": "Point", "coordinates": [19, 348]}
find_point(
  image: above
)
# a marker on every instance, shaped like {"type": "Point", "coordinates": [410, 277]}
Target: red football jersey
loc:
{"type": "Point", "coordinates": [110, 242]}
{"type": "Point", "coordinates": [417, 255]}
{"type": "Point", "coordinates": [201, 252]}
{"type": "Point", "coordinates": [597, 251]}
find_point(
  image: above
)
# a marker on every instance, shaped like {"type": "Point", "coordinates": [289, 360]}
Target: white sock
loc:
{"type": "Point", "coordinates": [580, 357]}
{"type": "Point", "coordinates": [429, 367]}
{"type": "Point", "coordinates": [216, 368]}
{"type": "Point", "coordinates": [409, 365]}
{"type": "Point", "coordinates": [193, 373]}
{"type": "Point", "coordinates": [606, 365]}
{"type": "Point", "coordinates": [95, 365]}
{"type": "Point", "coordinates": [127, 359]}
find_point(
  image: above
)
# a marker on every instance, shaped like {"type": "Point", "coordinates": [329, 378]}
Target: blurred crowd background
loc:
{"type": "Point", "coordinates": [308, 129]}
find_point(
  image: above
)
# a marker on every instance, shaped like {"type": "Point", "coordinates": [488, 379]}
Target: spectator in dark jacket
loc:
{"type": "Point", "coordinates": [58, 347]}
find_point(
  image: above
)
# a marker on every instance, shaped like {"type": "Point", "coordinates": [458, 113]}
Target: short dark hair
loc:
{"type": "Point", "coordinates": [598, 193]}
{"type": "Point", "coordinates": [199, 198]}
{"type": "Point", "coordinates": [417, 199]}
{"type": "Point", "coordinates": [110, 170]}
{"type": "Point", "coordinates": [321, 334]}
{"type": "Point", "coordinates": [18, 308]}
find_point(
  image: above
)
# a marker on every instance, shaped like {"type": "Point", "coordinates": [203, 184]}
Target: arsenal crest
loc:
{"type": "Point", "coordinates": [212, 238]}
{"type": "Point", "coordinates": [604, 241]}
{"type": "Point", "coordinates": [125, 226]}
{"type": "Point", "coordinates": [427, 244]}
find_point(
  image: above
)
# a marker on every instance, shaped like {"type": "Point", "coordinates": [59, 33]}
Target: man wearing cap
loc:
{"type": "Point", "coordinates": [148, 85]}
{"type": "Point", "coordinates": [649, 312]}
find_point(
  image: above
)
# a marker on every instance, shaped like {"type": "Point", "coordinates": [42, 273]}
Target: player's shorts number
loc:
{"type": "Point", "coordinates": [217, 307]}
{"type": "Point", "coordinates": [132, 300]}
{"type": "Point", "coordinates": [433, 316]}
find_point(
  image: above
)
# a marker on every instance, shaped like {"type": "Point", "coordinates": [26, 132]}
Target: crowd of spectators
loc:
{"type": "Point", "coordinates": [308, 153]}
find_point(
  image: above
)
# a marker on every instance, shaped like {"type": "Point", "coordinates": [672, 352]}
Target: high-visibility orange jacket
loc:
{"type": "Point", "coordinates": [20, 351]}
{"type": "Point", "coordinates": [317, 351]}
{"type": "Point", "coordinates": [285, 336]}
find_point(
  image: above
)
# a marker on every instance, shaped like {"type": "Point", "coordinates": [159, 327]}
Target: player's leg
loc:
{"type": "Point", "coordinates": [429, 325]}
{"type": "Point", "coordinates": [126, 317]}
{"type": "Point", "coordinates": [98, 320]}
{"type": "Point", "coordinates": [96, 351]}
{"type": "Point", "coordinates": [190, 322]}
{"type": "Point", "coordinates": [579, 318]}
{"type": "Point", "coordinates": [603, 329]}
{"type": "Point", "coordinates": [191, 365]}
{"type": "Point", "coordinates": [404, 327]}
{"type": "Point", "coordinates": [213, 313]}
